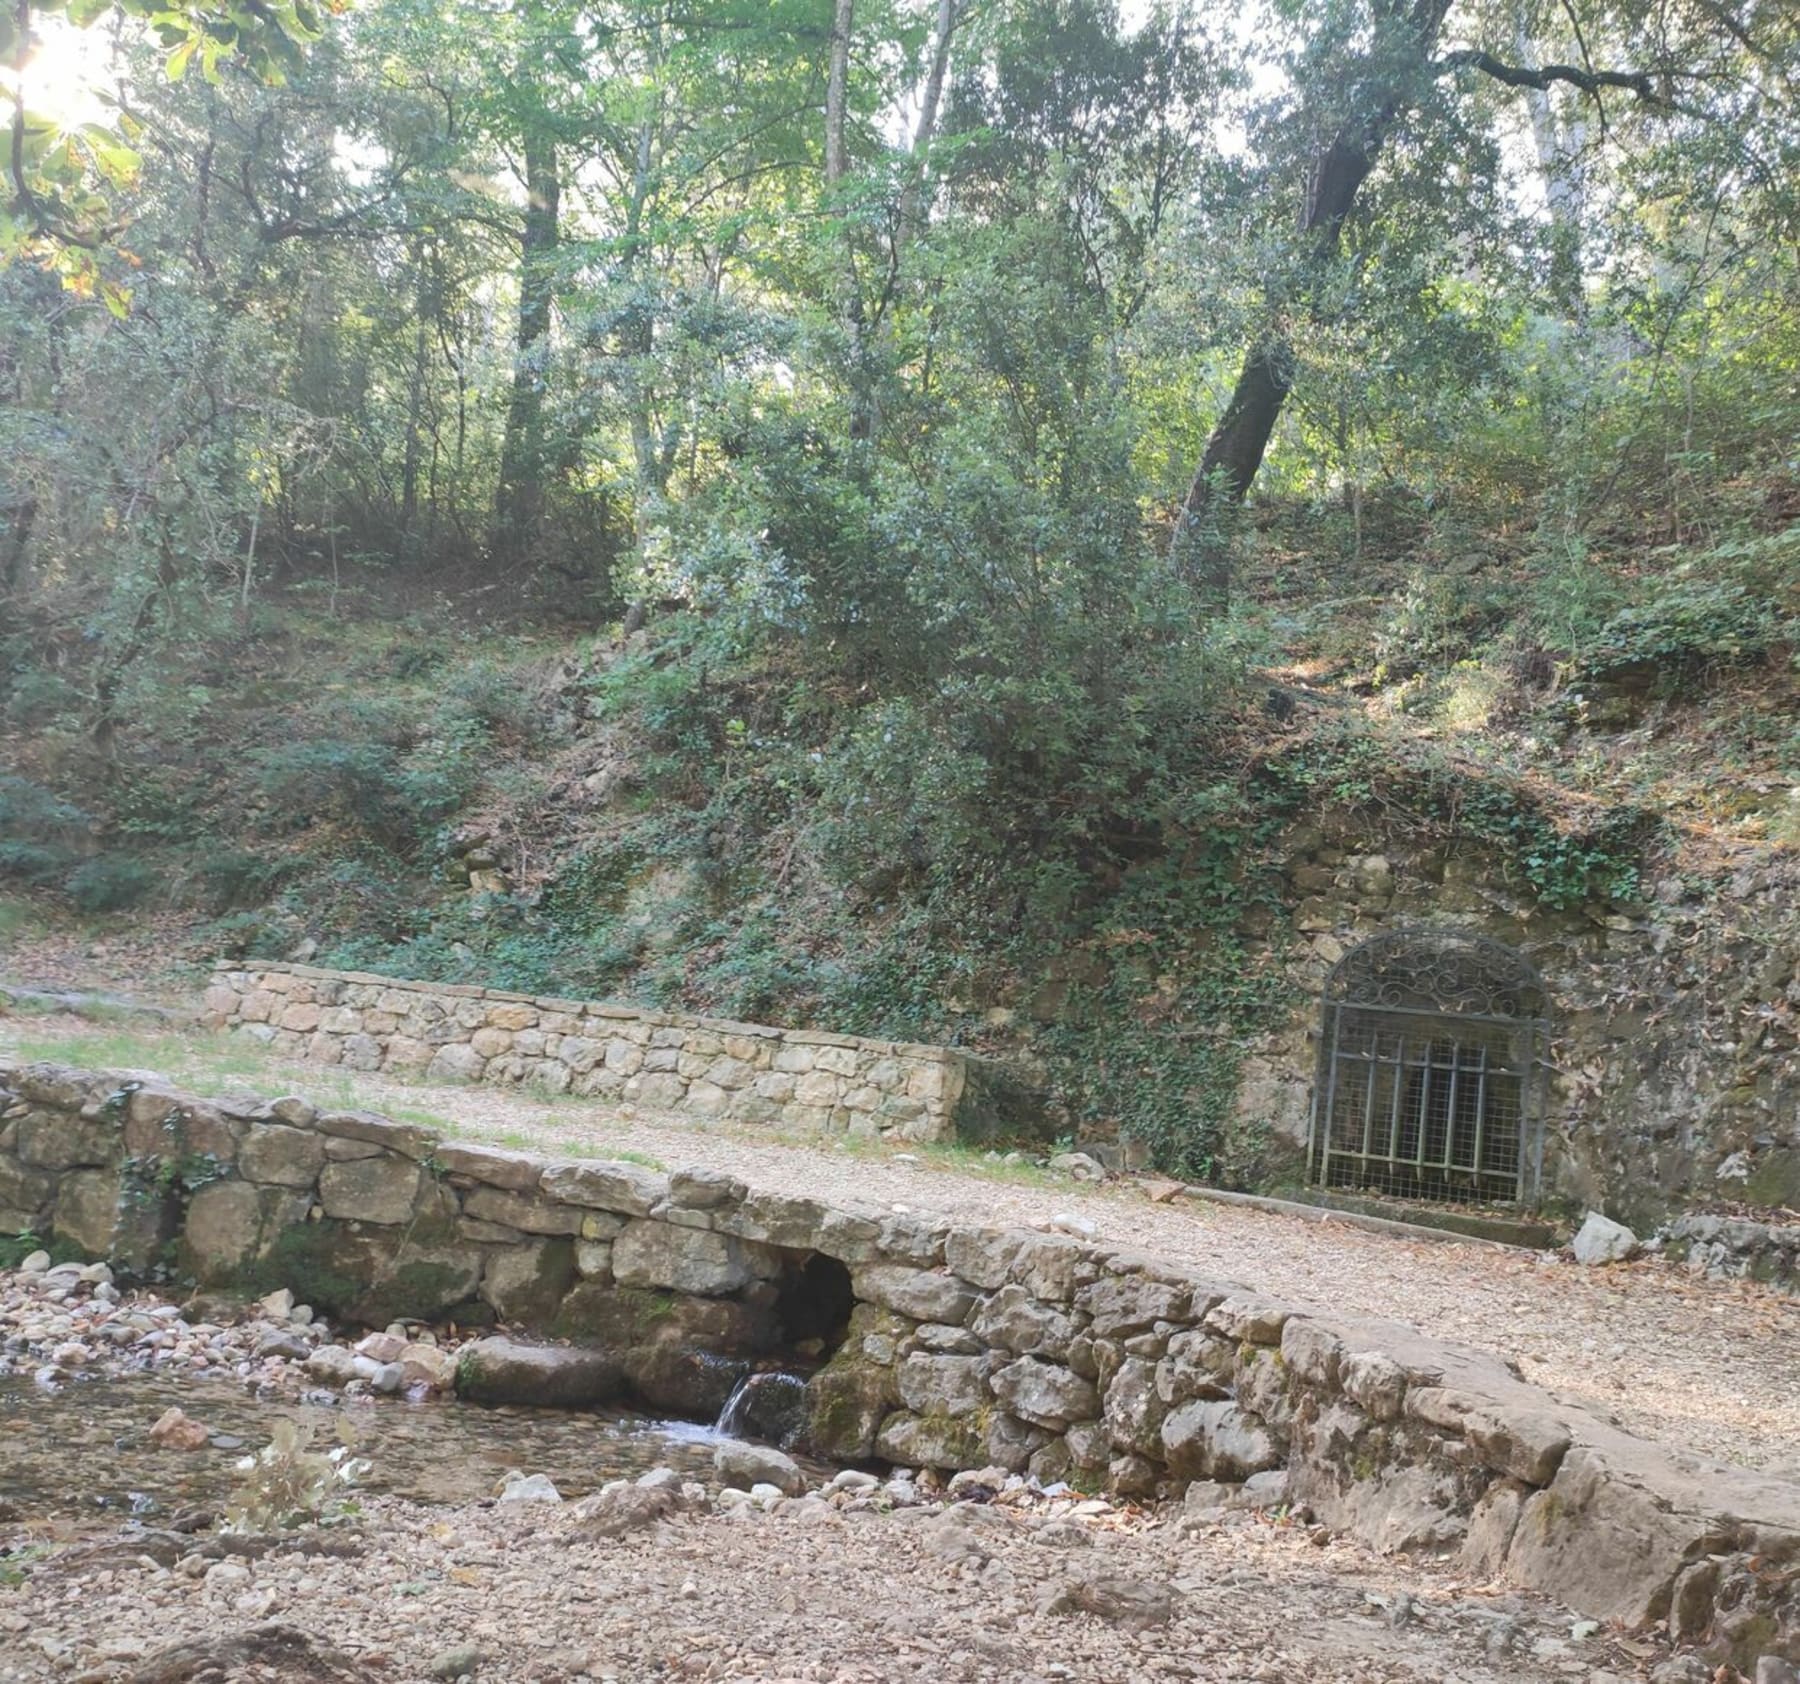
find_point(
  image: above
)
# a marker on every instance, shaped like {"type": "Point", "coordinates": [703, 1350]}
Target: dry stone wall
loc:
{"type": "Point", "coordinates": [704, 1068]}
{"type": "Point", "coordinates": [946, 1345]}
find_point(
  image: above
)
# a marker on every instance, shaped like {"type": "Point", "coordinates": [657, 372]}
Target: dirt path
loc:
{"type": "Point", "coordinates": [1702, 1365]}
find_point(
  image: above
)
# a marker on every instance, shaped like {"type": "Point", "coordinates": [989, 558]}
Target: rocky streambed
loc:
{"type": "Point", "coordinates": [117, 1402]}
{"type": "Point", "coordinates": [540, 1544]}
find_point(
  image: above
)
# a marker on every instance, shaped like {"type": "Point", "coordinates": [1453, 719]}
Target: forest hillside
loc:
{"type": "Point", "coordinates": [891, 517]}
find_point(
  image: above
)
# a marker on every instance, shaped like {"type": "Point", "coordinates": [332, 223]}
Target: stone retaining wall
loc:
{"type": "Point", "coordinates": [947, 1345]}
{"type": "Point", "coordinates": [702, 1067]}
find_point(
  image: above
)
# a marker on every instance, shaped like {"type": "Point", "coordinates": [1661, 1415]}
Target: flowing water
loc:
{"type": "Point", "coordinates": [85, 1451]}
{"type": "Point", "coordinates": [769, 1404]}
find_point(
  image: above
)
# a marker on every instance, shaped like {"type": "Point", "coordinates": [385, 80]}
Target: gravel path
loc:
{"type": "Point", "coordinates": [1703, 1365]}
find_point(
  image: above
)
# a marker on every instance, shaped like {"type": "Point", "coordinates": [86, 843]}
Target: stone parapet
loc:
{"type": "Point", "coordinates": [942, 1344]}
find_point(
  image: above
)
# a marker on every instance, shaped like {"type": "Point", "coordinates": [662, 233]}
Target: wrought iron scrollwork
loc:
{"type": "Point", "coordinates": [1438, 971]}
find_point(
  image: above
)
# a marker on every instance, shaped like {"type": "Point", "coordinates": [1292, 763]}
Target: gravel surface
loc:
{"type": "Point", "coordinates": [1704, 1365]}
{"type": "Point", "coordinates": [801, 1590]}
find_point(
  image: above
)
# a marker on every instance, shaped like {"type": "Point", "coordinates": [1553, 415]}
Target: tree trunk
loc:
{"type": "Point", "coordinates": [1559, 153]}
{"type": "Point", "coordinates": [415, 404]}
{"type": "Point", "coordinates": [912, 196]}
{"type": "Point", "coordinates": [837, 92]}
{"type": "Point", "coordinates": [1234, 453]}
{"type": "Point", "coordinates": [519, 500]}
{"type": "Point", "coordinates": [837, 163]}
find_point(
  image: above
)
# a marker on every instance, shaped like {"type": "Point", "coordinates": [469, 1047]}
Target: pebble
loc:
{"type": "Point", "coordinates": [532, 1488]}
{"type": "Point", "coordinates": [64, 1319]}
{"type": "Point", "coordinates": [459, 1661]}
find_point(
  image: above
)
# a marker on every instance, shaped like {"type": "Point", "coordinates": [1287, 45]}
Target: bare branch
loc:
{"type": "Point", "coordinates": [1639, 82]}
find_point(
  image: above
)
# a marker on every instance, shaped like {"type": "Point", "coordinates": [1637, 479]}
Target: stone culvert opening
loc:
{"type": "Point", "coordinates": [813, 1299]}
{"type": "Point", "coordinates": [813, 1304]}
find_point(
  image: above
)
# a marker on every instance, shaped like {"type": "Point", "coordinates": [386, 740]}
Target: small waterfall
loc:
{"type": "Point", "coordinates": [770, 1405]}
{"type": "Point", "coordinates": [737, 1406]}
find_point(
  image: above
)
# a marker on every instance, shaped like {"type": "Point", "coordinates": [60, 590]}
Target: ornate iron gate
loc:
{"type": "Point", "coordinates": [1431, 1071]}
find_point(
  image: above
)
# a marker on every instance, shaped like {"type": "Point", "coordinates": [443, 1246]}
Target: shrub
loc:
{"type": "Point", "coordinates": [394, 799]}
{"type": "Point", "coordinates": [288, 1483]}
{"type": "Point", "coordinates": [110, 883]}
{"type": "Point", "coordinates": [39, 831]}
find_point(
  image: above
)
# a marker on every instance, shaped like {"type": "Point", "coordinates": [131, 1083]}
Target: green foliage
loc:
{"type": "Point", "coordinates": [110, 883]}
{"type": "Point", "coordinates": [1685, 621]}
{"type": "Point", "coordinates": [927, 735]}
{"type": "Point", "coordinates": [1422, 790]}
{"type": "Point", "coordinates": [39, 832]}
{"type": "Point", "coordinates": [15, 1248]}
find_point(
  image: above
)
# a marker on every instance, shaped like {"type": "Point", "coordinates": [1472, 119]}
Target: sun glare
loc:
{"type": "Point", "coordinates": [65, 74]}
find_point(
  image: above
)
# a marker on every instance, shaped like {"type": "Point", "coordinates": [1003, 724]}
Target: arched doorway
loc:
{"type": "Point", "coordinates": [1431, 1070]}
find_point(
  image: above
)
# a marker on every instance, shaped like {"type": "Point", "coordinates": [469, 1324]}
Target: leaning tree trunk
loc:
{"type": "Point", "coordinates": [519, 500]}
{"type": "Point", "coordinates": [1234, 453]}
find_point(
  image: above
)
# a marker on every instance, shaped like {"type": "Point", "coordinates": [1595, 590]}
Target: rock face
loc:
{"type": "Point", "coordinates": [1601, 1240]}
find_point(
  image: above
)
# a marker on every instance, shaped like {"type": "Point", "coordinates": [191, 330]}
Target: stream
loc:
{"type": "Point", "coordinates": [84, 1450]}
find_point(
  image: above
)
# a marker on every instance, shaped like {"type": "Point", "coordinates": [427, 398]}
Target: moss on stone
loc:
{"type": "Point", "coordinates": [415, 1291]}
{"type": "Point", "coordinates": [320, 1262]}
{"type": "Point", "coordinates": [613, 1315]}
{"type": "Point", "coordinates": [846, 1402]}
{"type": "Point", "coordinates": [1775, 1182]}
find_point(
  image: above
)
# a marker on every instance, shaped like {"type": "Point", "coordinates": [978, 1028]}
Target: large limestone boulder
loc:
{"type": "Point", "coordinates": [944, 1385]}
{"type": "Point", "coordinates": [931, 1441]}
{"type": "Point", "coordinates": [421, 1283]}
{"type": "Point", "coordinates": [745, 1465]}
{"type": "Point", "coordinates": [380, 1189]}
{"type": "Point", "coordinates": [1015, 1321]}
{"type": "Point", "coordinates": [224, 1221]}
{"type": "Point", "coordinates": [500, 1370]}
{"type": "Point", "coordinates": [683, 1380]}
{"type": "Point", "coordinates": [56, 1141]}
{"type": "Point", "coordinates": [599, 1312]}
{"type": "Point", "coordinates": [1134, 1408]}
{"type": "Point", "coordinates": [626, 1189]}
{"type": "Point", "coordinates": [847, 1401]}
{"type": "Point", "coordinates": [281, 1156]}
{"type": "Point", "coordinates": [1602, 1240]}
{"type": "Point", "coordinates": [87, 1209]}
{"type": "Point", "coordinates": [24, 1196]}
{"type": "Point", "coordinates": [1046, 1395]}
{"type": "Point", "coordinates": [526, 1283]}
{"type": "Point", "coordinates": [923, 1294]}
